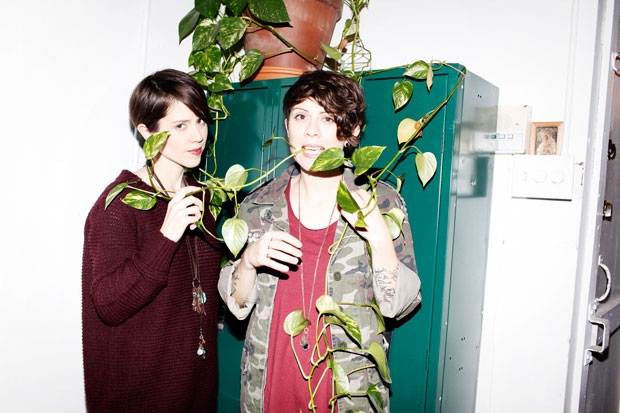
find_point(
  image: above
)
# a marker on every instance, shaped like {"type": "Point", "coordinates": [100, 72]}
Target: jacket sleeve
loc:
{"type": "Point", "coordinates": [407, 294]}
{"type": "Point", "coordinates": [224, 287]}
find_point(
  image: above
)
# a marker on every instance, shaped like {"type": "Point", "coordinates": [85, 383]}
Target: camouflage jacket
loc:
{"type": "Point", "coordinates": [349, 279]}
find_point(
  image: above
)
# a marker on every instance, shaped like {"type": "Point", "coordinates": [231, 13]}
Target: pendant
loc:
{"type": "Point", "coordinates": [199, 298]}
{"type": "Point", "coordinates": [304, 340]}
{"type": "Point", "coordinates": [201, 348]}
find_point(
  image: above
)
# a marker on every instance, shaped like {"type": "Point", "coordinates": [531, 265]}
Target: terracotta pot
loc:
{"type": "Point", "coordinates": [312, 22]}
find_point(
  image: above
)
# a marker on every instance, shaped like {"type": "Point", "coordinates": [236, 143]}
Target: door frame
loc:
{"type": "Point", "coordinates": [595, 165]}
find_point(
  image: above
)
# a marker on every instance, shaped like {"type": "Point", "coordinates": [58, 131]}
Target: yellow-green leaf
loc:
{"type": "Point", "coordinates": [426, 163]}
{"type": "Point", "coordinates": [407, 129]}
{"type": "Point", "coordinates": [418, 70]}
{"type": "Point", "coordinates": [328, 160]}
{"type": "Point", "coordinates": [429, 80]}
{"type": "Point", "coordinates": [154, 144]}
{"type": "Point", "coordinates": [340, 379]}
{"type": "Point", "coordinates": [345, 199]}
{"type": "Point", "coordinates": [295, 323]}
{"type": "Point", "coordinates": [236, 176]}
{"type": "Point", "coordinates": [401, 93]}
{"type": "Point", "coordinates": [139, 200]}
{"type": "Point", "coordinates": [114, 192]}
{"type": "Point", "coordinates": [364, 158]}
{"type": "Point", "coordinates": [235, 234]}
{"type": "Point", "coordinates": [394, 219]}
{"type": "Point", "coordinates": [374, 395]}
{"type": "Point", "coordinates": [378, 354]}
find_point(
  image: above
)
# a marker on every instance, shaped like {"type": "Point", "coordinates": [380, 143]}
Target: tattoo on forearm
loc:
{"type": "Point", "coordinates": [386, 282]}
{"type": "Point", "coordinates": [235, 278]}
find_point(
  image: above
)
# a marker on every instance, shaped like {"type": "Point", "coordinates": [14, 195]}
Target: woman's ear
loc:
{"type": "Point", "coordinates": [144, 131]}
{"type": "Point", "coordinates": [356, 131]}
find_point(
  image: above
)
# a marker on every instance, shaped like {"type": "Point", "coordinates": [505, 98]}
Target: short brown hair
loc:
{"type": "Point", "coordinates": [152, 97]}
{"type": "Point", "coordinates": [338, 94]}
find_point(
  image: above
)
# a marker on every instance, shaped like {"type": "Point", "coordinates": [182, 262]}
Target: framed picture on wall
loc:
{"type": "Point", "coordinates": [545, 138]}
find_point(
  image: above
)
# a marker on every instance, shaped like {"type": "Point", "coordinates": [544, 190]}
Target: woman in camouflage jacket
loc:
{"type": "Point", "coordinates": [302, 246]}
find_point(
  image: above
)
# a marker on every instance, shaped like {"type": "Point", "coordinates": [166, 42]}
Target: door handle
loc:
{"type": "Point", "coordinates": [599, 321]}
{"type": "Point", "coordinates": [614, 58]}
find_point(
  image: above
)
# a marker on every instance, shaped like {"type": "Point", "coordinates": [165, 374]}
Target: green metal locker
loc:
{"type": "Point", "coordinates": [434, 354]}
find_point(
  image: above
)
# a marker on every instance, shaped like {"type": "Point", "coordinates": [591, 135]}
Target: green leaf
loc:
{"type": "Point", "coordinates": [235, 234]}
{"type": "Point", "coordinates": [331, 52]}
{"type": "Point", "coordinates": [379, 315]}
{"type": "Point", "coordinates": [325, 304]}
{"type": "Point", "coordinates": [154, 144]}
{"type": "Point", "coordinates": [328, 160]}
{"type": "Point", "coordinates": [113, 193]}
{"type": "Point", "coordinates": [207, 61]}
{"type": "Point", "coordinates": [295, 323]}
{"type": "Point", "coordinates": [341, 380]}
{"type": "Point", "coordinates": [250, 63]}
{"type": "Point", "coordinates": [139, 200]}
{"type": "Point", "coordinates": [426, 163]}
{"type": "Point", "coordinates": [378, 354]}
{"type": "Point", "coordinates": [269, 11]}
{"type": "Point", "coordinates": [204, 35]}
{"type": "Point", "coordinates": [188, 24]}
{"type": "Point", "coordinates": [220, 83]}
{"type": "Point", "coordinates": [236, 176]}
{"type": "Point", "coordinates": [394, 219]}
{"type": "Point", "coordinates": [208, 8]}
{"type": "Point", "coordinates": [374, 395]}
{"type": "Point", "coordinates": [418, 70]}
{"type": "Point", "coordinates": [218, 197]}
{"type": "Point", "coordinates": [235, 6]}
{"type": "Point", "coordinates": [345, 199]}
{"type": "Point", "coordinates": [231, 31]}
{"type": "Point", "coordinates": [364, 158]}
{"type": "Point", "coordinates": [401, 93]}
{"type": "Point", "coordinates": [360, 223]}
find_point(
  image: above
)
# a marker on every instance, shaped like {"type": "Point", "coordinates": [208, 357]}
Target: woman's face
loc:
{"type": "Point", "coordinates": [309, 127]}
{"type": "Point", "coordinates": [188, 136]}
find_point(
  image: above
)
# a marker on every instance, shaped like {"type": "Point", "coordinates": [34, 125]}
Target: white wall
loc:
{"type": "Point", "coordinates": [68, 69]}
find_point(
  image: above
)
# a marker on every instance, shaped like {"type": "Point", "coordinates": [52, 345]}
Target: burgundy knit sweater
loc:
{"type": "Point", "coordinates": [140, 334]}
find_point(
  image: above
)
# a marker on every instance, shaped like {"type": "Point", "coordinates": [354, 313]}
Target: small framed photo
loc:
{"type": "Point", "coordinates": [545, 138]}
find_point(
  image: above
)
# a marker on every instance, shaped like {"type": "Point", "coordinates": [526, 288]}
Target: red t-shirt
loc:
{"type": "Point", "coordinates": [286, 389]}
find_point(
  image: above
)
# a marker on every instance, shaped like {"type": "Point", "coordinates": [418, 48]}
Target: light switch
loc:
{"type": "Point", "coordinates": [543, 176]}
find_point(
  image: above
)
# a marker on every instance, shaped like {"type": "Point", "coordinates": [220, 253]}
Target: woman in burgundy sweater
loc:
{"type": "Point", "coordinates": [149, 296]}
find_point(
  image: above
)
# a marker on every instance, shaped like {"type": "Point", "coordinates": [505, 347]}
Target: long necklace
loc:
{"type": "Point", "coordinates": [304, 337]}
{"type": "Point", "coordinates": [199, 297]}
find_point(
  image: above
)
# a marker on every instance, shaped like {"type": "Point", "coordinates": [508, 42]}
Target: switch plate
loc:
{"type": "Point", "coordinates": [513, 128]}
{"type": "Point", "coordinates": [543, 177]}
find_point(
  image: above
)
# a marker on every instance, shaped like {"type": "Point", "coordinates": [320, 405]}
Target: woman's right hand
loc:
{"type": "Point", "coordinates": [183, 211]}
{"type": "Point", "coordinates": [274, 249]}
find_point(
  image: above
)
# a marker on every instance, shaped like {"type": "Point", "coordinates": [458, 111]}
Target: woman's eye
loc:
{"type": "Point", "coordinates": [180, 126]}
{"type": "Point", "coordinates": [201, 121]}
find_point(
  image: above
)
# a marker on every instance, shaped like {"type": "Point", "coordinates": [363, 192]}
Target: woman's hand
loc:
{"type": "Point", "coordinates": [274, 249]}
{"type": "Point", "coordinates": [183, 211]}
{"type": "Point", "coordinates": [376, 231]}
